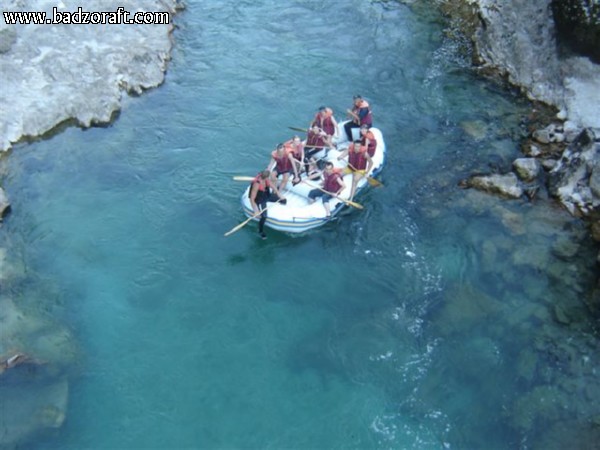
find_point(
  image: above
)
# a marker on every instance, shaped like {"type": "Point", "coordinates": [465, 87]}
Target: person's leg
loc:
{"type": "Point", "coordinates": [326, 198]}
{"type": "Point", "coordinates": [299, 166]}
{"type": "Point", "coordinates": [284, 179]}
{"type": "Point", "coordinates": [314, 194]}
{"type": "Point", "coordinates": [348, 128]}
{"type": "Point", "coordinates": [274, 198]}
{"type": "Point", "coordinates": [329, 143]}
{"type": "Point", "coordinates": [356, 176]}
{"type": "Point", "coordinates": [263, 218]}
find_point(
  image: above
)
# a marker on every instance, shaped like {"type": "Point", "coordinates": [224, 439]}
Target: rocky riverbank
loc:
{"type": "Point", "coordinates": [52, 76]}
{"type": "Point", "coordinates": [520, 43]}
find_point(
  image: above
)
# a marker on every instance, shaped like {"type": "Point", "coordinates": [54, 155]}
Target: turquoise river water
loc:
{"type": "Point", "coordinates": [428, 320]}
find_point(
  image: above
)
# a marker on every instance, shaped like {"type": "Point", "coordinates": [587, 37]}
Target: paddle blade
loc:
{"type": "Point", "coordinates": [242, 178]}
{"type": "Point", "coordinates": [355, 205]}
{"type": "Point", "coordinates": [302, 130]}
{"type": "Point", "coordinates": [236, 228]}
{"type": "Point", "coordinates": [373, 182]}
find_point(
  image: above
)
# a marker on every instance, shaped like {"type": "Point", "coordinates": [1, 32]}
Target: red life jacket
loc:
{"type": "Point", "coordinates": [295, 149]}
{"type": "Point", "coordinates": [368, 119]}
{"type": "Point", "coordinates": [330, 183]}
{"type": "Point", "coordinates": [283, 162]}
{"type": "Point", "coordinates": [314, 140]}
{"type": "Point", "coordinates": [357, 159]}
{"type": "Point", "coordinates": [263, 186]}
{"type": "Point", "coordinates": [324, 123]}
{"type": "Point", "coordinates": [372, 143]}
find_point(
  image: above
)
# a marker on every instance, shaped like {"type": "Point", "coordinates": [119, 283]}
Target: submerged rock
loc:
{"type": "Point", "coordinates": [465, 306]}
{"type": "Point", "coordinates": [506, 185]}
{"type": "Point", "coordinates": [35, 355]}
{"type": "Point", "coordinates": [34, 407]}
{"type": "Point", "coordinates": [565, 248]}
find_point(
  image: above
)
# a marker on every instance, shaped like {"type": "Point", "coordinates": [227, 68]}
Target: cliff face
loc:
{"type": "Point", "coordinates": [518, 39]}
{"type": "Point", "coordinates": [578, 26]}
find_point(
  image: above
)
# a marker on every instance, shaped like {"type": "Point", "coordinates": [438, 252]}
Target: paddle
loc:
{"type": "Point", "coordinates": [347, 202]}
{"type": "Point", "coordinates": [372, 181]}
{"type": "Point", "coordinates": [242, 178]}
{"type": "Point", "coordinates": [245, 222]}
{"type": "Point", "coordinates": [301, 130]}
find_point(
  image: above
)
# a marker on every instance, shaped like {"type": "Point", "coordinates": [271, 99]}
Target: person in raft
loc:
{"type": "Point", "coordinates": [260, 193]}
{"type": "Point", "coordinates": [322, 130]}
{"type": "Point", "coordinates": [361, 115]}
{"type": "Point", "coordinates": [282, 160]}
{"type": "Point", "coordinates": [333, 183]}
{"type": "Point", "coordinates": [296, 147]}
{"type": "Point", "coordinates": [368, 140]}
{"type": "Point", "coordinates": [359, 163]}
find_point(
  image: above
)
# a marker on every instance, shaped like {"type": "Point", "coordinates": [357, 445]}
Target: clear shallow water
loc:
{"type": "Point", "coordinates": [412, 324]}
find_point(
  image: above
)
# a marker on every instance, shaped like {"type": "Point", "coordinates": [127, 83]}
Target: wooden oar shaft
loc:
{"type": "Point", "coordinates": [372, 181]}
{"type": "Point", "coordinates": [245, 222]}
{"type": "Point", "coordinates": [303, 130]}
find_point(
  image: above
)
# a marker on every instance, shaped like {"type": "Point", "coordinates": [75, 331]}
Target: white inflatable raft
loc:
{"type": "Point", "coordinates": [298, 214]}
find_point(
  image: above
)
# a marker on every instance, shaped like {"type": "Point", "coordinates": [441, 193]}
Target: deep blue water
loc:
{"type": "Point", "coordinates": [423, 321]}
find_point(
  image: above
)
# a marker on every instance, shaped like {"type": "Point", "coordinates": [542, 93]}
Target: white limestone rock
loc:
{"type": "Point", "coordinates": [54, 73]}
{"type": "Point", "coordinates": [505, 185]}
{"type": "Point", "coordinates": [527, 168]}
{"type": "Point", "coordinates": [4, 203]}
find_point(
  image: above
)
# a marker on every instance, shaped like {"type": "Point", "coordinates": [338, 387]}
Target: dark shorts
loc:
{"type": "Point", "coordinates": [290, 171]}
{"type": "Point", "coordinates": [316, 193]}
{"type": "Point", "coordinates": [262, 199]}
{"type": "Point", "coordinates": [309, 152]}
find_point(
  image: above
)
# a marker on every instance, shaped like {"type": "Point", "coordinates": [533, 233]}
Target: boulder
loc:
{"type": "Point", "coordinates": [543, 136]}
{"type": "Point", "coordinates": [575, 178]}
{"type": "Point", "coordinates": [34, 407]}
{"type": "Point", "coordinates": [571, 131]}
{"type": "Point", "coordinates": [527, 168]}
{"type": "Point", "coordinates": [532, 150]}
{"type": "Point", "coordinates": [4, 203]}
{"type": "Point", "coordinates": [548, 164]}
{"type": "Point", "coordinates": [505, 185]}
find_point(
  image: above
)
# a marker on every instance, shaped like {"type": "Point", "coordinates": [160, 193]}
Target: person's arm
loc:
{"type": "Point", "coordinates": [343, 155]}
{"type": "Point", "coordinates": [274, 187]}
{"type": "Point", "coordinates": [369, 163]}
{"type": "Point", "coordinates": [335, 127]}
{"type": "Point", "coordinates": [272, 164]}
{"type": "Point", "coordinates": [294, 165]}
{"type": "Point", "coordinates": [353, 115]}
{"type": "Point", "coordinates": [340, 181]}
